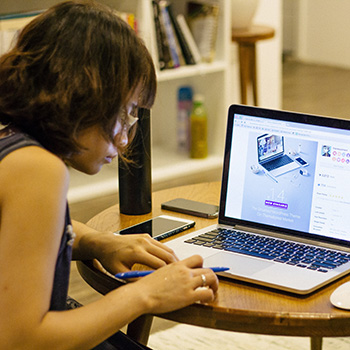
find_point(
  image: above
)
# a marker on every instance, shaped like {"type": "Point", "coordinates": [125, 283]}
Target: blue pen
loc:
{"type": "Point", "coordinates": [136, 274]}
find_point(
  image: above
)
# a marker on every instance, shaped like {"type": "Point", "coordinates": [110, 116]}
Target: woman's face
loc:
{"type": "Point", "coordinates": [99, 150]}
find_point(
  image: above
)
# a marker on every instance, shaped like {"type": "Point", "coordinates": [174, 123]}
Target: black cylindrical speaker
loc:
{"type": "Point", "coordinates": [135, 177]}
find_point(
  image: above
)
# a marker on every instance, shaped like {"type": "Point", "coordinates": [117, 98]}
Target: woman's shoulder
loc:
{"type": "Point", "coordinates": [33, 164]}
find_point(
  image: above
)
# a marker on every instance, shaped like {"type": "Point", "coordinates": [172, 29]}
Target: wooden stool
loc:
{"type": "Point", "coordinates": [246, 40]}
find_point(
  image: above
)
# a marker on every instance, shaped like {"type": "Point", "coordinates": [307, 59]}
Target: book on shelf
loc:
{"type": "Point", "coordinates": [203, 22]}
{"type": "Point", "coordinates": [184, 45]}
{"type": "Point", "coordinates": [175, 42]}
{"type": "Point", "coordinates": [192, 46]}
{"type": "Point", "coordinates": [174, 46]}
{"type": "Point", "coordinates": [164, 58]}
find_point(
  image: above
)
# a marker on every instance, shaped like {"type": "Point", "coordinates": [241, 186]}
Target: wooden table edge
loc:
{"type": "Point", "coordinates": [287, 324]}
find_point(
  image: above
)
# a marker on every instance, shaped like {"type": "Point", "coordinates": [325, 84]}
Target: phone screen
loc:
{"type": "Point", "coordinates": [159, 227]}
{"type": "Point", "coordinates": [301, 161]}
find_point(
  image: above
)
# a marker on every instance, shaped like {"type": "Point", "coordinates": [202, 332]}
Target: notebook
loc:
{"type": "Point", "coordinates": [292, 234]}
{"type": "Point", "coordinates": [271, 155]}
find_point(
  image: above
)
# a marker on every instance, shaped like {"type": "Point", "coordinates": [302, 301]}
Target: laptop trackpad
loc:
{"type": "Point", "coordinates": [238, 264]}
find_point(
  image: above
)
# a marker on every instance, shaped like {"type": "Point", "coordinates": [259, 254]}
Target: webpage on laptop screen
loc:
{"type": "Point", "coordinates": [313, 197]}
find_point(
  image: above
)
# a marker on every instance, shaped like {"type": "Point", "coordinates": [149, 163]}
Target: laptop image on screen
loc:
{"type": "Point", "coordinates": [292, 234]}
{"type": "Point", "coordinates": [271, 155]}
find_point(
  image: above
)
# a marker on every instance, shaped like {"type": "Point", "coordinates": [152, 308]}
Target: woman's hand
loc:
{"type": "Point", "coordinates": [118, 253]}
{"type": "Point", "coordinates": [178, 285]}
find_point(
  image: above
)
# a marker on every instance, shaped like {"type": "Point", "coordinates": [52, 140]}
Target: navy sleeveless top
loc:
{"type": "Point", "coordinates": [9, 144]}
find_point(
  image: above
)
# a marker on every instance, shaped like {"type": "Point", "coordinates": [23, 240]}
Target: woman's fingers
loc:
{"type": "Point", "coordinates": [205, 278]}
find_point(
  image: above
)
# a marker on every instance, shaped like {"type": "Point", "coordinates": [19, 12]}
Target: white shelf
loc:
{"type": "Point", "coordinates": [83, 187]}
{"type": "Point", "coordinates": [165, 165]}
{"type": "Point", "coordinates": [190, 71]}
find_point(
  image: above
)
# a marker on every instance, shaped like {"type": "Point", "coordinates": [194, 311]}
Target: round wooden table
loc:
{"type": "Point", "coordinates": [246, 40]}
{"type": "Point", "coordinates": [239, 306]}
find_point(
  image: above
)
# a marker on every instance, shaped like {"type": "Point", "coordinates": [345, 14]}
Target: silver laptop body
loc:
{"type": "Point", "coordinates": [308, 208]}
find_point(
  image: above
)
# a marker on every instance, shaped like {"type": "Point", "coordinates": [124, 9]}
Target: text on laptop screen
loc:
{"type": "Point", "coordinates": [313, 196]}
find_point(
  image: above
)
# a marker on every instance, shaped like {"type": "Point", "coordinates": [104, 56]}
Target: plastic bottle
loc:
{"type": "Point", "coordinates": [184, 108]}
{"type": "Point", "coordinates": [199, 128]}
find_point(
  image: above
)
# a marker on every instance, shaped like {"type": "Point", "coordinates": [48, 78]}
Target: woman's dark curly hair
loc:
{"type": "Point", "coordinates": [73, 67]}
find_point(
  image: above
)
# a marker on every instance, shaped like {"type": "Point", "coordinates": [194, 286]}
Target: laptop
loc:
{"type": "Point", "coordinates": [292, 234]}
{"type": "Point", "coordinates": [271, 155]}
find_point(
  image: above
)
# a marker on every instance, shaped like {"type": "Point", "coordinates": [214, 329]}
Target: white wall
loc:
{"type": "Point", "coordinates": [269, 58]}
{"type": "Point", "coordinates": [323, 32]}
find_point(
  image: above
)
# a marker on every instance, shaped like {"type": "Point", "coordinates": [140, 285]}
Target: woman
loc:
{"type": "Point", "coordinates": [67, 90]}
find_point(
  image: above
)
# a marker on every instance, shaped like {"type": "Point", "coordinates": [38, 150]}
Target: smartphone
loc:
{"type": "Point", "coordinates": [160, 227]}
{"type": "Point", "coordinates": [301, 161]}
{"type": "Point", "coordinates": [187, 206]}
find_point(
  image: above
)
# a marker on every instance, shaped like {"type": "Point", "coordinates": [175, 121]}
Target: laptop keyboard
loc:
{"type": "Point", "coordinates": [277, 163]}
{"type": "Point", "coordinates": [287, 252]}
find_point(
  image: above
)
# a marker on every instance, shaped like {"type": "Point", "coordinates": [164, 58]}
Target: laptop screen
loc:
{"type": "Point", "coordinates": [312, 200]}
